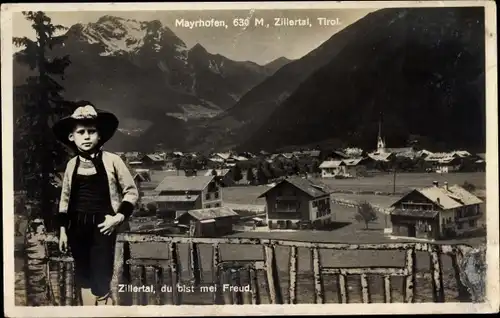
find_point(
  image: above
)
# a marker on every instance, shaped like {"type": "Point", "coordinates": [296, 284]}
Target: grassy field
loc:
{"type": "Point", "coordinates": [383, 183]}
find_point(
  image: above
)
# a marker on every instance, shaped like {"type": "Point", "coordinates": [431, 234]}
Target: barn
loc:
{"type": "Point", "coordinates": [211, 222]}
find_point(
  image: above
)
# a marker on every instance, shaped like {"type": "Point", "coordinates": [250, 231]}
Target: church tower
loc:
{"type": "Point", "coordinates": [380, 141]}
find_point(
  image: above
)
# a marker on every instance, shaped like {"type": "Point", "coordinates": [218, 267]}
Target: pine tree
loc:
{"type": "Point", "coordinates": [237, 175]}
{"type": "Point", "coordinates": [250, 175]}
{"type": "Point", "coordinates": [37, 152]}
{"type": "Point", "coordinates": [261, 175]}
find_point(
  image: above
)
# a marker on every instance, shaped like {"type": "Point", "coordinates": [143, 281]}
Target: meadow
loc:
{"type": "Point", "coordinates": [378, 183]}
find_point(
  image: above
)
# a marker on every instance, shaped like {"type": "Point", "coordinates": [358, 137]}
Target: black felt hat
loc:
{"type": "Point", "coordinates": [105, 122]}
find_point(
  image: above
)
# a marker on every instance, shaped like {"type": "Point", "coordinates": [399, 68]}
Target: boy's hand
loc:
{"type": "Point", "coordinates": [110, 223]}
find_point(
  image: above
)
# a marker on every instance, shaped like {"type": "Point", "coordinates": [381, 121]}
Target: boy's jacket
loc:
{"type": "Point", "coordinates": [121, 183]}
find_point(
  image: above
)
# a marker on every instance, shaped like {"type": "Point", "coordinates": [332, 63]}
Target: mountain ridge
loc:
{"type": "Point", "coordinates": [420, 66]}
{"type": "Point", "coordinates": [141, 69]}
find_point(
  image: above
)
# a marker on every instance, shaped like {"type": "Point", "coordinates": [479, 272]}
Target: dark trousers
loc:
{"type": "Point", "coordinates": [92, 251]}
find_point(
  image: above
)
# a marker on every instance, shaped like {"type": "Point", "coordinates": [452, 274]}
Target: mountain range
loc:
{"type": "Point", "coordinates": [146, 75]}
{"type": "Point", "coordinates": [421, 68]}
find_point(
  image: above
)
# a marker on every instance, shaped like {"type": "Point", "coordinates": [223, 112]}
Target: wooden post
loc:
{"type": "Point", "coordinates": [437, 275]}
{"type": "Point", "coordinates": [36, 262]}
{"type": "Point", "coordinates": [118, 268]}
{"type": "Point", "coordinates": [254, 283]}
{"type": "Point", "coordinates": [272, 276]}
{"type": "Point", "coordinates": [365, 292]}
{"type": "Point", "coordinates": [292, 294]}
{"type": "Point", "coordinates": [195, 263]}
{"type": "Point", "coordinates": [387, 289]}
{"type": "Point", "coordinates": [342, 288]}
{"type": "Point", "coordinates": [318, 281]}
{"type": "Point", "coordinates": [175, 272]}
{"type": "Point", "coordinates": [410, 275]}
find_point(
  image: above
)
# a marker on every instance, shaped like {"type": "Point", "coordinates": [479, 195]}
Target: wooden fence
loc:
{"type": "Point", "coordinates": [130, 271]}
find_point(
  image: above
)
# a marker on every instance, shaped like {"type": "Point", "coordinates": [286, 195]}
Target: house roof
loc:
{"type": "Point", "coordinates": [352, 162]}
{"type": "Point", "coordinates": [463, 195]}
{"type": "Point", "coordinates": [380, 156]}
{"type": "Point", "coordinates": [424, 152]}
{"type": "Point", "coordinates": [440, 155]}
{"type": "Point", "coordinates": [211, 213]}
{"type": "Point", "coordinates": [240, 158]}
{"type": "Point", "coordinates": [439, 196]}
{"type": "Point", "coordinates": [139, 176]}
{"type": "Point", "coordinates": [183, 183]}
{"type": "Point", "coordinates": [415, 213]}
{"type": "Point", "coordinates": [223, 155]}
{"type": "Point", "coordinates": [462, 153]}
{"type": "Point", "coordinates": [176, 198]}
{"type": "Point", "coordinates": [331, 164]}
{"type": "Point", "coordinates": [154, 157]}
{"type": "Point", "coordinates": [313, 189]}
{"type": "Point", "coordinates": [400, 150]}
{"type": "Point", "coordinates": [447, 198]}
{"type": "Point", "coordinates": [215, 159]}
{"type": "Point", "coordinates": [481, 155]}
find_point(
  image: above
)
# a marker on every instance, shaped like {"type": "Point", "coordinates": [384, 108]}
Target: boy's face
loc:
{"type": "Point", "coordinates": [85, 137]}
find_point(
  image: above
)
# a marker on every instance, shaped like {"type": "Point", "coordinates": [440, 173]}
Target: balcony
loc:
{"type": "Point", "coordinates": [468, 217]}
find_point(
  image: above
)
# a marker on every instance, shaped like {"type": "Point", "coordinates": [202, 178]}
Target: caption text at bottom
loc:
{"type": "Point", "coordinates": [127, 288]}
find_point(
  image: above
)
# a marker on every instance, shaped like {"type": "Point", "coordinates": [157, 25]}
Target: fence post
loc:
{"type": "Point", "coordinates": [473, 271]}
{"type": "Point", "coordinates": [35, 266]}
{"type": "Point", "coordinates": [272, 275]}
{"type": "Point", "coordinates": [409, 285]}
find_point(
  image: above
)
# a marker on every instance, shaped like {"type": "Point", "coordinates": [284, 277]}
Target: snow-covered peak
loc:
{"type": "Point", "coordinates": [120, 36]}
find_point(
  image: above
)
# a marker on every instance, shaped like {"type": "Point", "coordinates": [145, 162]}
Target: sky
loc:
{"type": "Point", "coordinates": [260, 44]}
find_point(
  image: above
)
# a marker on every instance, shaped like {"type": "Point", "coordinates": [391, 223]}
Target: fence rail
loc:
{"type": "Point", "coordinates": [129, 271]}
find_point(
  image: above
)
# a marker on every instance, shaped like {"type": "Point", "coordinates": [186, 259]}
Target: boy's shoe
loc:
{"type": "Point", "coordinates": [105, 300]}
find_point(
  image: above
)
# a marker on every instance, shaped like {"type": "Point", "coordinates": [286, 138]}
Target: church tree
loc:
{"type": "Point", "coordinates": [38, 104]}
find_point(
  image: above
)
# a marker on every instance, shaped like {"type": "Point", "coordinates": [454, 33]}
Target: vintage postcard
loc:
{"type": "Point", "coordinates": [250, 158]}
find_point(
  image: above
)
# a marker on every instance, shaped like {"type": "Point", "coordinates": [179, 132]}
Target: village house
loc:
{"type": "Point", "coordinates": [223, 176]}
{"type": "Point", "coordinates": [352, 168]}
{"type": "Point", "coordinates": [356, 167]}
{"type": "Point", "coordinates": [152, 161]}
{"type": "Point", "coordinates": [480, 162]}
{"type": "Point", "coordinates": [131, 156]}
{"type": "Point", "coordinates": [209, 222]}
{"type": "Point", "coordinates": [283, 157]}
{"type": "Point", "coordinates": [448, 164]}
{"type": "Point", "coordinates": [333, 168]}
{"type": "Point", "coordinates": [247, 155]}
{"type": "Point", "coordinates": [407, 152]}
{"type": "Point", "coordinates": [169, 164]}
{"type": "Point", "coordinates": [334, 155]}
{"type": "Point", "coordinates": [177, 194]}
{"type": "Point", "coordinates": [381, 157]}
{"type": "Point", "coordinates": [436, 213]}
{"type": "Point", "coordinates": [224, 159]}
{"type": "Point", "coordinates": [297, 203]}
{"type": "Point", "coordinates": [140, 176]}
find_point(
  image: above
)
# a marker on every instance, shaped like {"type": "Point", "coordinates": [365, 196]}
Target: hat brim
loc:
{"type": "Point", "coordinates": [106, 123]}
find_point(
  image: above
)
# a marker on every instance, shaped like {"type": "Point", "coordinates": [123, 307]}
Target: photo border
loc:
{"type": "Point", "coordinates": [492, 207]}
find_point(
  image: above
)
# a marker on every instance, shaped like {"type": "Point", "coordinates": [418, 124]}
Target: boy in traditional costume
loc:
{"type": "Point", "coordinates": [98, 196]}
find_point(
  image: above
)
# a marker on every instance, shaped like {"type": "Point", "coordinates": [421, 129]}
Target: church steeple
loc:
{"type": "Point", "coordinates": [380, 140]}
